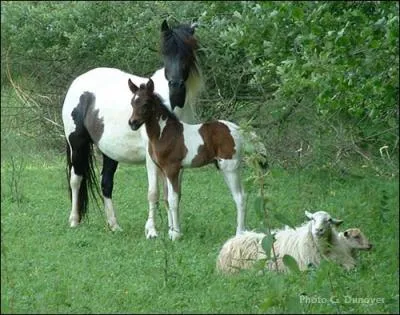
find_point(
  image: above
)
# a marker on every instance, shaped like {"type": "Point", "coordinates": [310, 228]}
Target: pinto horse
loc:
{"type": "Point", "coordinates": [174, 145]}
{"type": "Point", "coordinates": [95, 111]}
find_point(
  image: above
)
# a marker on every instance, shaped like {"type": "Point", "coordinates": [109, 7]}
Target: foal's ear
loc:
{"type": "Point", "coordinates": [164, 26]}
{"type": "Point", "coordinates": [150, 86]}
{"type": "Point", "coordinates": [193, 27]}
{"type": "Point", "coordinates": [132, 86]}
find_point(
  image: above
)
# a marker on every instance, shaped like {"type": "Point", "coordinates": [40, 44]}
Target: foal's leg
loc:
{"type": "Point", "coordinates": [152, 196]}
{"type": "Point", "coordinates": [173, 178]}
{"type": "Point", "coordinates": [165, 189]}
{"type": "Point", "coordinates": [107, 184]}
{"type": "Point", "coordinates": [232, 179]}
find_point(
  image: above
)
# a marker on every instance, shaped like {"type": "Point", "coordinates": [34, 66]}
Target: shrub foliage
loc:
{"type": "Point", "coordinates": [319, 80]}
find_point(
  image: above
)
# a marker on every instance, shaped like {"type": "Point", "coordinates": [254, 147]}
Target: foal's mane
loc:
{"type": "Point", "coordinates": [157, 100]}
{"type": "Point", "coordinates": [164, 109]}
{"type": "Point", "coordinates": [180, 41]}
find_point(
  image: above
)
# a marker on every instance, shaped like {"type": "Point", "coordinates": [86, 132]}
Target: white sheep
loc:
{"type": "Point", "coordinates": [243, 251]}
{"type": "Point", "coordinates": [307, 244]}
{"type": "Point", "coordinates": [343, 250]}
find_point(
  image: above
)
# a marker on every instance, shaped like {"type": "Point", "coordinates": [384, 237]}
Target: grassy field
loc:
{"type": "Point", "coordinates": [47, 267]}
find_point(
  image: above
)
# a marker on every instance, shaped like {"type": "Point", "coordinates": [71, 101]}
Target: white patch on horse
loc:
{"type": "Point", "coordinates": [194, 85]}
{"type": "Point", "coordinates": [161, 88]}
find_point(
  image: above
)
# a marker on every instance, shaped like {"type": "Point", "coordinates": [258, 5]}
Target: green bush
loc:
{"type": "Point", "coordinates": [318, 79]}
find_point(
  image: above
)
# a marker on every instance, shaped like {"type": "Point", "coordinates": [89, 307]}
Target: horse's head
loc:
{"type": "Point", "coordinates": [178, 47]}
{"type": "Point", "coordinates": [143, 103]}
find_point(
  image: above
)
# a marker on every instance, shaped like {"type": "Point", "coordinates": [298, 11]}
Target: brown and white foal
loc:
{"type": "Point", "coordinates": [174, 145]}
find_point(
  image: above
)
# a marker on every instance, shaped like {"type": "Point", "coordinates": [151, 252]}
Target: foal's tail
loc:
{"type": "Point", "coordinates": [261, 150]}
{"type": "Point", "coordinates": [89, 178]}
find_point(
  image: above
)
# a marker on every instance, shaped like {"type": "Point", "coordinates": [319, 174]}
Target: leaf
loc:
{"type": "Point", "coordinates": [269, 302]}
{"type": "Point", "coordinates": [298, 13]}
{"type": "Point", "coordinates": [237, 14]}
{"type": "Point", "coordinates": [259, 265]}
{"type": "Point", "coordinates": [266, 244]}
{"type": "Point", "coordinates": [291, 263]}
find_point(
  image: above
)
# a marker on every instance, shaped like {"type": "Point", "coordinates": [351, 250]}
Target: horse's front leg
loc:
{"type": "Point", "coordinates": [152, 196]}
{"type": "Point", "coordinates": [107, 185]}
{"type": "Point", "coordinates": [173, 178]}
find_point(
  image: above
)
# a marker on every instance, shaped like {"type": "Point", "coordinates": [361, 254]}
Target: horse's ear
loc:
{"type": "Point", "coordinates": [132, 86]}
{"type": "Point", "coordinates": [150, 86]}
{"type": "Point", "coordinates": [164, 26]}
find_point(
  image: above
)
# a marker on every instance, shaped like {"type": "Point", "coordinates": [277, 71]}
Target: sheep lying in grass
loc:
{"type": "Point", "coordinates": [306, 244]}
{"type": "Point", "coordinates": [347, 243]}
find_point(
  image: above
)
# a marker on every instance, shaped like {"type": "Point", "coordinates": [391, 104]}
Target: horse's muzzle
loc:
{"type": "Point", "coordinates": [177, 95]}
{"type": "Point", "coordinates": [135, 124]}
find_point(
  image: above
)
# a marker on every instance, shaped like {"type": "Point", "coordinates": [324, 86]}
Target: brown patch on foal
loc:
{"type": "Point", "coordinates": [168, 149]}
{"type": "Point", "coordinates": [218, 143]}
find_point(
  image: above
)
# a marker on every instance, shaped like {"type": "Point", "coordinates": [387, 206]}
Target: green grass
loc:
{"type": "Point", "coordinates": [47, 267]}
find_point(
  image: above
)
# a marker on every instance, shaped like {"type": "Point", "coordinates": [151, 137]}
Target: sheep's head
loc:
{"type": "Point", "coordinates": [356, 239]}
{"type": "Point", "coordinates": [321, 223]}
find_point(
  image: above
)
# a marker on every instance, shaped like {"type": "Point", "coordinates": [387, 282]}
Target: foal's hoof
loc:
{"type": "Point", "coordinates": [174, 235]}
{"type": "Point", "coordinates": [151, 234]}
{"type": "Point", "coordinates": [149, 230]}
{"type": "Point", "coordinates": [240, 232]}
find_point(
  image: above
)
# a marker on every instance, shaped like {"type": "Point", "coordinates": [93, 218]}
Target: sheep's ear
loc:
{"type": "Point", "coordinates": [309, 215]}
{"type": "Point", "coordinates": [337, 222]}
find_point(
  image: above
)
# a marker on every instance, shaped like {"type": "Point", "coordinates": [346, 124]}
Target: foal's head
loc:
{"type": "Point", "coordinates": [178, 47]}
{"type": "Point", "coordinates": [143, 103]}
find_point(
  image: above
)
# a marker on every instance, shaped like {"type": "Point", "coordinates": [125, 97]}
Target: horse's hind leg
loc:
{"type": "Point", "coordinates": [75, 183]}
{"type": "Point", "coordinates": [232, 179]}
{"type": "Point", "coordinates": [153, 197]}
{"type": "Point", "coordinates": [78, 152]}
{"type": "Point", "coordinates": [107, 184]}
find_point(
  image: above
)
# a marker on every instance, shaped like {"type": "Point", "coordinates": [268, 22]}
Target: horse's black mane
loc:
{"type": "Point", "coordinates": [179, 41]}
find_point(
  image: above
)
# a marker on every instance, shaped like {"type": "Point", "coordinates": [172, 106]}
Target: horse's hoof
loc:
{"type": "Point", "coordinates": [73, 223]}
{"type": "Point", "coordinates": [116, 228]}
{"type": "Point", "coordinates": [174, 235]}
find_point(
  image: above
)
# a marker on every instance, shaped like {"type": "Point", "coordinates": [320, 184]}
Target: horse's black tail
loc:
{"type": "Point", "coordinates": [89, 179]}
